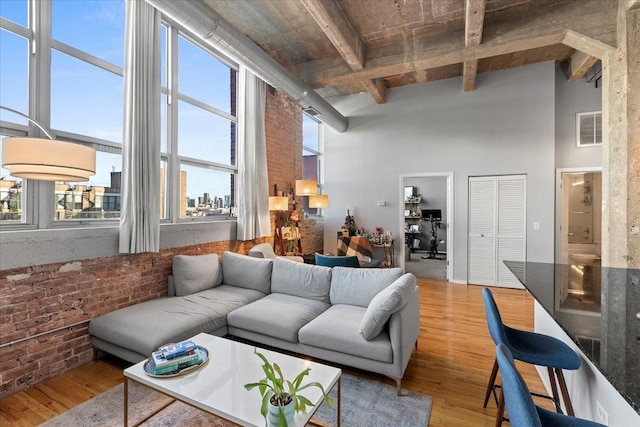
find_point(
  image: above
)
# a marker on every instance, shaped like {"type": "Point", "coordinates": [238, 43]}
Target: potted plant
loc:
{"type": "Point", "coordinates": [281, 397]}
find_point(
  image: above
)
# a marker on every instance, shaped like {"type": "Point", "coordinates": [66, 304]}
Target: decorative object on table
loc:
{"type": "Point", "coordinates": [280, 397]}
{"type": "Point", "coordinates": [349, 224]}
{"type": "Point", "coordinates": [176, 359]}
{"type": "Point", "coordinates": [46, 159]}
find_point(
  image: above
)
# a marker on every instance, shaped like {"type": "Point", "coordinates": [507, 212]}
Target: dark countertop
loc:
{"type": "Point", "coordinates": [599, 308]}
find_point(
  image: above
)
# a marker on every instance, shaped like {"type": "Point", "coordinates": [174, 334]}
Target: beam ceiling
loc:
{"type": "Point", "coordinates": [342, 47]}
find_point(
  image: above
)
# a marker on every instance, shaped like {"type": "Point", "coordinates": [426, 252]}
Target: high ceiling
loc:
{"type": "Point", "coordinates": [341, 47]}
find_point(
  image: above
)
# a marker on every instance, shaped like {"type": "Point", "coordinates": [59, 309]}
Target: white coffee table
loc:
{"type": "Point", "coordinates": [218, 387]}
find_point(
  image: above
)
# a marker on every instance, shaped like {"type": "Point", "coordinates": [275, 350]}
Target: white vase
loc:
{"type": "Point", "coordinates": [273, 416]}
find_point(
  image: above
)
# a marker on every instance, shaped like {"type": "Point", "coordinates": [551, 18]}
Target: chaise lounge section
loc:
{"type": "Point", "coordinates": [364, 318]}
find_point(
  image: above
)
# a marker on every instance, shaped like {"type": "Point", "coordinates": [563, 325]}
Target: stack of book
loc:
{"type": "Point", "coordinates": [174, 357]}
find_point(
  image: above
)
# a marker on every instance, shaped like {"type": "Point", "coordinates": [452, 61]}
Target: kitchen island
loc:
{"type": "Point", "coordinates": [596, 310]}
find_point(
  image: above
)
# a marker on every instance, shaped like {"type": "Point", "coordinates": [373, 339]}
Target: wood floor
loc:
{"type": "Point", "coordinates": [452, 363]}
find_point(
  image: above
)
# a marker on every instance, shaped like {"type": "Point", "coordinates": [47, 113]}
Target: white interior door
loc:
{"type": "Point", "coordinates": [497, 228]}
{"type": "Point", "coordinates": [511, 227]}
{"type": "Point", "coordinates": [482, 239]}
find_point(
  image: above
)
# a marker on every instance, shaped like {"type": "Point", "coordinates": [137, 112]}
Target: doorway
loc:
{"type": "Point", "coordinates": [578, 235]}
{"type": "Point", "coordinates": [426, 212]}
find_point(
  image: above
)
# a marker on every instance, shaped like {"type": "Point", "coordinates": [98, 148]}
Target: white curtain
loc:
{"type": "Point", "coordinates": [140, 207]}
{"type": "Point", "coordinates": [253, 188]}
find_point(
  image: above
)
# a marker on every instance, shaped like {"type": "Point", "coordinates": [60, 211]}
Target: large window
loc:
{"type": "Point", "coordinates": [311, 156]}
{"type": "Point", "coordinates": [72, 52]}
{"type": "Point", "coordinates": [61, 62]}
{"type": "Point", "coordinates": [199, 134]}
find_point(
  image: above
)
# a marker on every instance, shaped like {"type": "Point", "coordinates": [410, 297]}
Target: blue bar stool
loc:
{"type": "Point", "coordinates": [517, 397]}
{"type": "Point", "coordinates": [530, 347]}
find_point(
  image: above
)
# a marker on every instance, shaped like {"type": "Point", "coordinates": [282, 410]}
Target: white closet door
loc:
{"type": "Point", "coordinates": [511, 227]}
{"type": "Point", "coordinates": [482, 242]}
{"type": "Point", "coordinates": [497, 228]}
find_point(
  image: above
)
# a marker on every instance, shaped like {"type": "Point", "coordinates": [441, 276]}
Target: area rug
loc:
{"type": "Point", "coordinates": [365, 402]}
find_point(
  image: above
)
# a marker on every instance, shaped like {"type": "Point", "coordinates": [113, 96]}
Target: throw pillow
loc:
{"type": "Point", "coordinates": [195, 273]}
{"type": "Point", "coordinates": [388, 301]}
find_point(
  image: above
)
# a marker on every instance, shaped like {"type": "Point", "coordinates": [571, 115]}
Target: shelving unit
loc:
{"type": "Point", "coordinates": [412, 222]}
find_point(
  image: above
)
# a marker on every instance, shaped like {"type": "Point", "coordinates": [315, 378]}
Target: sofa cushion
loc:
{"type": "Point", "coordinates": [195, 273]}
{"type": "Point", "coordinates": [338, 329]}
{"type": "Point", "coordinates": [146, 326]}
{"type": "Point", "coordinates": [358, 286]}
{"type": "Point", "coordinates": [385, 303]}
{"type": "Point", "coordinates": [277, 315]}
{"type": "Point", "coordinates": [246, 272]}
{"type": "Point", "coordinates": [301, 280]}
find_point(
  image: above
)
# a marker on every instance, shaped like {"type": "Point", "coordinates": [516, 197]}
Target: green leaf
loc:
{"type": "Point", "coordinates": [304, 402]}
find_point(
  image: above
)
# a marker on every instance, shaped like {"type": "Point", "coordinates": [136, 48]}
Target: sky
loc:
{"type": "Point", "coordinates": [88, 100]}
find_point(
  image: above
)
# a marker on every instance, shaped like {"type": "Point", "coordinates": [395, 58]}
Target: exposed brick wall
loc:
{"type": "Point", "coordinates": [283, 127]}
{"type": "Point", "coordinates": [38, 299]}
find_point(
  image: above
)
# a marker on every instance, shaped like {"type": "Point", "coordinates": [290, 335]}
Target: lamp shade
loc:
{"type": "Point", "coordinates": [278, 203]}
{"type": "Point", "coordinates": [48, 159]}
{"type": "Point", "coordinates": [306, 187]}
{"type": "Point", "coordinates": [318, 201]}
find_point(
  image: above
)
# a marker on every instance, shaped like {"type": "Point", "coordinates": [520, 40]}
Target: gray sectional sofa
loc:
{"type": "Point", "coordinates": [363, 318]}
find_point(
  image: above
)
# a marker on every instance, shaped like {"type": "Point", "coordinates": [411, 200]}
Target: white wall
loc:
{"type": "Point", "coordinates": [571, 98]}
{"type": "Point", "coordinates": [505, 126]}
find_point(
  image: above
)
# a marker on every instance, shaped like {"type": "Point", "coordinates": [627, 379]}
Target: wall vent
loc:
{"type": "Point", "coordinates": [589, 129]}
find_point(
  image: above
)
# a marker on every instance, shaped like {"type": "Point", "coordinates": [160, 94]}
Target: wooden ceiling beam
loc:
{"type": "Point", "coordinates": [588, 51]}
{"type": "Point", "coordinates": [442, 56]}
{"type": "Point", "coordinates": [594, 19]}
{"type": "Point", "coordinates": [473, 24]}
{"type": "Point", "coordinates": [579, 64]}
{"type": "Point", "coordinates": [377, 88]}
{"type": "Point", "coordinates": [337, 27]}
{"type": "Point", "coordinates": [586, 44]}
{"type": "Point", "coordinates": [334, 23]}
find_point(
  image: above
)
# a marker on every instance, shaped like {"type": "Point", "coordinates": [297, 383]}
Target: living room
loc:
{"type": "Point", "coordinates": [516, 121]}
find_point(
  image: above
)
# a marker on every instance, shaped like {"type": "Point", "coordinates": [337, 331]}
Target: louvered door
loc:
{"type": "Point", "coordinates": [497, 228]}
{"type": "Point", "coordinates": [482, 238]}
{"type": "Point", "coordinates": [511, 227]}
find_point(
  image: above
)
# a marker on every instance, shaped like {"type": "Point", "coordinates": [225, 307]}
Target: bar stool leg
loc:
{"type": "Point", "coordinates": [554, 389]}
{"type": "Point", "coordinates": [500, 411]}
{"type": "Point", "coordinates": [492, 381]}
{"type": "Point", "coordinates": [565, 392]}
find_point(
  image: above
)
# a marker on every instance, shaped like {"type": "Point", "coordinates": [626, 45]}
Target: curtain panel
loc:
{"type": "Point", "coordinates": [253, 188]}
{"type": "Point", "coordinates": [140, 205]}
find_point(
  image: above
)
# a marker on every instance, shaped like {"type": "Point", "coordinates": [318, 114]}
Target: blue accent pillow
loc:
{"type": "Point", "coordinates": [337, 261]}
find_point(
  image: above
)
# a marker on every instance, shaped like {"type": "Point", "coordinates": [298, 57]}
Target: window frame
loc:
{"type": "Point", "coordinates": [173, 160]}
{"type": "Point", "coordinates": [38, 211]}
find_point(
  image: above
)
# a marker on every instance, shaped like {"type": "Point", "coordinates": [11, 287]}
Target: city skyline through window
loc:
{"type": "Point", "coordinates": [86, 99]}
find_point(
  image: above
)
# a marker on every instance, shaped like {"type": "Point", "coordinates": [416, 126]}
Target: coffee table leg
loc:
{"type": "Point", "coordinates": [338, 421]}
{"type": "Point", "coordinates": [126, 401]}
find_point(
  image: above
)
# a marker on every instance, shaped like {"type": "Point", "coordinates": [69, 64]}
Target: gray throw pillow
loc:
{"type": "Point", "coordinates": [388, 301]}
{"type": "Point", "coordinates": [195, 273]}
